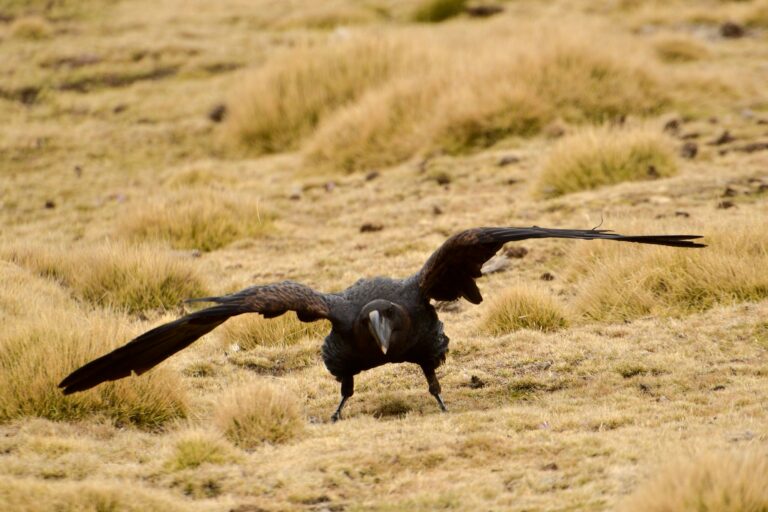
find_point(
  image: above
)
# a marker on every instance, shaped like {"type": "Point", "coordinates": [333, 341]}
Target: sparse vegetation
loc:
{"type": "Point", "coordinates": [115, 275]}
{"type": "Point", "coordinates": [259, 413]}
{"type": "Point", "coordinates": [523, 308]}
{"type": "Point", "coordinates": [605, 156]}
{"type": "Point", "coordinates": [680, 49]}
{"type": "Point", "coordinates": [201, 220]}
{"type": "Point", "coordinates": [195, 448]}
{"type": "Point", "coordinates": [733, 481]}
{"type": "Point", "coordinates": [31, 27]}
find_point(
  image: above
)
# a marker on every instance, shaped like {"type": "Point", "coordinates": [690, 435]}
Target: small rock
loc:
{"type": "Point", "coordinates": [652, 172]}
{"type": "Point", "coordinates": [370, 227]}
{"type": "Point", "coordinates": [719, 387]}
{"type": "Point", "coordinates": [442, 178]}
{"type": "Point", "coordinates": [372, 175]}
{"type": "Point", "coordinates": [731, 30]}
{"type": "Point", "coordinates": [78, 171]}
{"type": "Point", "coordinates": [122, 107]}
{"type": "Point", "coordinates": [476, 382]}
{"type": "Point", "coordinates": [508, 160]}
{"type": "Point", "coordinates": [672, 126]}
{"type": "Point", "coordinates": [689, 150]}
{"type": "Point", "coordinates": [747, 435]}
{"type": "Point", "coordinates": [515, 251]}
{"type": "Point", "coordinates": [511, 181]}
{"type": "Point", "coordinates": [690, 135]}
{"type": "Point", "coordinates": [547, 276]}
{"type": "Point", "coordinates": [196, 253]}
{"type": "Point", "coordinates": [218, 113]}
{"type": "Point", "coordinates": [682, 214]}
{"type": "Point", "coordinates": [483, 11]}
{"type": "Point", "coordinates": [550, 467]}
{"type": "Point", "coordinates": [724, 205]}
{"type": "Point", "coordinates": [436, 210]}
{"type": "Point", "coordinates": [50, 204]}
{"type": "Point", "coordinates": [724, 138]}
{"type": "Point", "coordinates": [330, 186]}
{"type": "Point", "coordinates": [295, 194]}
{"type": "Point", "coordinates": [730, 192]}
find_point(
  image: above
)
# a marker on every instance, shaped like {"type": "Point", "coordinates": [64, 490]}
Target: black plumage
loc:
{"type": "Point", "coordinates": [374, 321]}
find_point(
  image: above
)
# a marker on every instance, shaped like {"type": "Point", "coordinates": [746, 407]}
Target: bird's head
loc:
{"type": "Point", "coordinates": [386, 322]}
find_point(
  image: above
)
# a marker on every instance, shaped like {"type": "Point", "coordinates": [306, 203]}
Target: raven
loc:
{"type": "Point", "coordinates": [374, 321]}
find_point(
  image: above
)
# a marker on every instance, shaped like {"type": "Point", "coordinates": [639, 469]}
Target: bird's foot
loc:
{"type": "Point", "coordinates": [336, 417]}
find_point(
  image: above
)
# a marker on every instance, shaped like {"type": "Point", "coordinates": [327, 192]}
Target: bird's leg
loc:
{"type": "Point", "coordinates": [434, 386]}
{"type": "Point", "coordinates": [347, 390]}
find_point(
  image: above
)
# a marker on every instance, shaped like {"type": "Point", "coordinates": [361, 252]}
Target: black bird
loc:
{"type": "Point", "coordinates": [374, 321]}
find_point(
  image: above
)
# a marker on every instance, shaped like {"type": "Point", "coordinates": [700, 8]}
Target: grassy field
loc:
{"type": "Point", "coordinates": [154, 151]}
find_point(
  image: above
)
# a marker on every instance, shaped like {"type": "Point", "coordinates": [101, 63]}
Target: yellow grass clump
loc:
{"type": "Point", "coordinates": [195, 448]}
{"type": "Point", "coordinates": [202, 220]}
{"type": "Point", "coordinates": [679, 49]}
{"type": "Point", "coordinates": [596, 157]}
{"type": "Point", "coordinates": [523, 308]}
{"type": "Point", "coordinates": [284, 101]}
{"type": "Point", "coordinates": [115, 275]}
{"type": "Point", "coordinates": [30, 495]}
{"type": "Point", "coordinates": [46, 336]}
{"type": "Point", "coordinates": [31, 28]}
{"type": "Point", "coordinates": [722, 482]}
{"type": "Point", "coordinates": [622, 282]}
{"type": "Point", "coordinates": [259, 413]}
{"type": "Point", "coordinates": [471, 95]}
{"type": "Point", "coordinates": [433, 11]}
{"type": "Point", "coordinates": [249, 331]}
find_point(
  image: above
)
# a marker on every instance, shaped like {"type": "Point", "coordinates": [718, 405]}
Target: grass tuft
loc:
{"type": "Point", "coordinates": [434, 11]}
{"type": "Point", "coordinates": [680, 49]}
{"type": "Point", "coordinates": [249, 331]}
{"type": "Point", "coordinates": [726, 482]}
{"type": "Point", "coordinates": [473, 96]}
{"type": "Point", "coordinates": [523, 308]}
{"type": "Point", "coordinates": [622, 283]}
{"type": "Point", "coordinates": [199, 220]}
{"type": "Point", "coordinates": [48, 338]}
{"type": "Point", "coordinates": [33, 28]}
{"type": "Point", "coordinates": [259, 413]}
{"type": "Point", "coordinates": [120, 276]}
{"type": "Point", "coordinates": [195, 448]}
{"type": "Point", "coordinates": [285, 100]}
{"type": "Point", "coordinates": [605, 156]}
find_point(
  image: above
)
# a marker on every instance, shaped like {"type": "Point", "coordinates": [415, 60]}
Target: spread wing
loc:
{"type": "Point", "coordinates": [152, 347]}
{"type": "Point", "coordinates": [451, 271]}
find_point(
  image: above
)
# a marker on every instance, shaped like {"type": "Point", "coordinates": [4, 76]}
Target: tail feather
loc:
{"type": "Point", "coordinates": [149, 349]}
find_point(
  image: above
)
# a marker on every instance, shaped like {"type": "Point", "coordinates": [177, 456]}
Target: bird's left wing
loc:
{"type": "Point", "coordinates": [451, 271]}
{"type": "Point", "coordinates": [156, 345]}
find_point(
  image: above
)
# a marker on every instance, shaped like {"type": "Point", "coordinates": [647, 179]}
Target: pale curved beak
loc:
{"type": "Point", "coordinates": [381, 329]}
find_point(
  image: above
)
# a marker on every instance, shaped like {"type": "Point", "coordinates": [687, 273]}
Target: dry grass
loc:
{"type": "Point", "coordinates": [523, 308]}
{"type": "Point", "coordinates": [622, 283]}
{"type": "Point", "coordinates": [31, 28]}
{"type": "Point", "coordinates": [200, 220]}
{"type": "Point", "coordinates": [259, 413]}
{"type": "Point", "coordinates": [29, 495]}
{"type": "Point", "coordinates": [197, 447]}
{"type": "Point", "coordinates": [285, 100]}
{"type": "Point", "coordinates": [720, 481]}
{"type": "Point", "coordinates": [433, 11]}
{"type": "Point", "coordinates": [249, 331]}
{"type": "Point", "coordinates": [48, 338]}
{"type": "Point", "coordinates": [605, 156]}
{"type": "Point", "coordinates": [680, 49]}
{"type": "Point", "coordinates": [472, 96]}
{"type": "Point", "coordinates": [115, 275]}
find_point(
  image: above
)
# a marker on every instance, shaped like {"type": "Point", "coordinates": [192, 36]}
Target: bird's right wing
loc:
{"type": "Point", "coordinates": [156, 345]}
